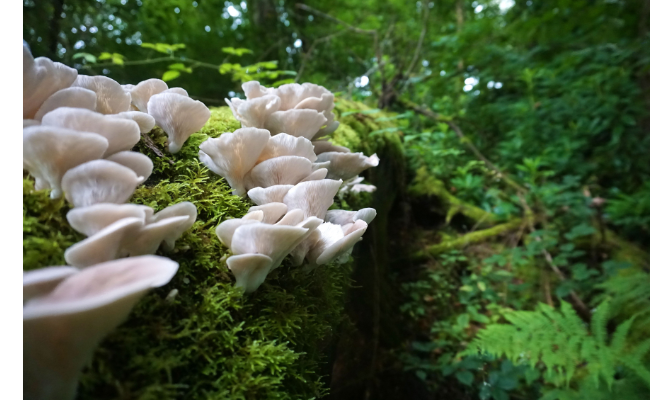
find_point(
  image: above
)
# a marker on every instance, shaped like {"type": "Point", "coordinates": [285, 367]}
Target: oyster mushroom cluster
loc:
{"type": "Point", "coordinates": [99, 104]}
{"type": "Point", "coordinates": [293, 178]}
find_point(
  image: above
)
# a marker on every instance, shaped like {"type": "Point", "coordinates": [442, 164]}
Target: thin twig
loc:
{"type": "Point", "coordinates": [146, 139]}
{"type": "Point", "coordinates": [416, 54]}
{"type": "Point", "coordinates": [338, 21]}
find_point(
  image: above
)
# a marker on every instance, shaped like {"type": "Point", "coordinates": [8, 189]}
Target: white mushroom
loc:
{"type": "Point", "coordinates": [271, 194]}
{"type": "Point", "coordinates": [226, 229]}
{"type": "Point", "coordinates": [62, 329]}
{"type": "Point", "coordinates": [323, 146]}
{"type": "Point", "coordinates": [254, 113]}
{"type": "Point", "coordinates": [285, 170]}
{"type": "Point", "coordinates": [40, 282]}
{"type": "Point", "coordinates": [272, 212]}
{"type": "Point", "coordinates": [316, 175]}
{"type": "Point", "coordinates": [111, 97]}
{"type": "Point", "coordinates": [49, 152]}
{"type": "Point", "coordinates": [177, 90]}
{"type": "Point", "coordinates": [347, 165]}
{"type": "Point", "coordinates": [304, 123]}
{"type": "Point", "coordinates": [179, 116]}
{"type": "Point", "coordinates": [343, 217]}
{"type": "Point", "coordinates": [254, 215]}
{"type": "Point", "coordinates": [232, 155]}
{"type": "Point", "coordinates": [92, 219]}
{"type": "Point", "coordinates": [138, 162]}
{"type": "Point", "coordinates": [142, 92]}
{"type": "Point", "coordinates": [149, 237]}
{"type": "Point", "coordinates": [145, 121]}
{"type": "Point", "coordinates": [105, 245]}
{"type": "Point", "coordinates": [313, 197]}
{"type": "Point", "coordinates": [354, 185]}
{"type": "Point", "coordinates": [122, 134]}
{"type": "Point", "coordinates": [42, 78]}
{"type": "Point", "coordinates": [275, 241]}
{"type": "Point", "coordinates": [250, 270]}
{"type": "Point", "coordinates": [99, 181]}
{"type": "Point", "coordinates": [335, 243]}
{"type": "Point", "coordinates": [74, 97]}
{"type": "Point", "coordinates": [287, 145]}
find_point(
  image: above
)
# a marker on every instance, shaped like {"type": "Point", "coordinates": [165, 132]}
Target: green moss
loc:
{"type": "Point", "coordinates": [209, 341]}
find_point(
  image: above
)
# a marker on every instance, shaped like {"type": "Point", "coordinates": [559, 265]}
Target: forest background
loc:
{"type": "Point", "coordinates": [526, 131]}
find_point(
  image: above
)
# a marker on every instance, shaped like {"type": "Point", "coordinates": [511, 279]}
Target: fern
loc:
{"type": "Point", "coordinates": [560, 344]}
{"type": "Point", "coordinates": [630, 295]}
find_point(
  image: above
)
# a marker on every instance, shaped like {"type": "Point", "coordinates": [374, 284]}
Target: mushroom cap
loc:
{"type": "Point", "coordinates": [304, 123]}
{"type": "Point", "coordinates": [271, 194]}
{"type": "Point", "coordinates": [42, 78]}
{"type": "Point", "coordinates": [49, 152]}
{"type": "Point", "coordinates": [179, 116]}
{"type": "Point", "coordinates": [226, 229]}
{"type": "Point", "coordinates": [145, 121]}
{"type": "Point", "coordinates": [285, 170]}
{"type": "Point", "coordinates": [92, 219]}
{"type": "Point", "coordinates": [111, 97]}
{"type": "Point", "coordinates": [137, 162]}
{"type": "Point", "coordinates": [151, 236]}
{"type": "Point", "coordinates": [270, 240]}
{"type": "Point", "coordinates": [255, 112]}
{"type": "Point", "coordinates": [344, 217]}
{"type": "Point", "coordinates": [142, 92]}
{"type": "Point", "coordinates": [40, 282]}
{"type": "Point", "coordinates": [122, 134]}
{"type": "Point", "coordinates": [286, 145]}
{"type": "Point", "coordinates": [62, 328]}
{"type": "Point", "coordinates": [324, 146]}
{"type": "Point", "coordinates": [73, 97]}
{"type": "Point", "coordinates": [178, 209]}
{"type": "Point", "coordinates": [340, 249]}
{"type": "Point", "coordinates": [347, 165]}
{"type": "Point", "coordinates": [250, 270]}
{"type": "Point", "coordinates": [99, 181]}
{"type": "Point", "coordinates": [358, 188]}
{"type": "Point", "coordinates": [272, 212]}
{"type": "Point", "coordinates": [316, 175]}
{"type": "Point", "coordinates": [233, 155]}
{"type": "Point", "coordinates": [105, 245]}
{"type": "Point", "coordinates": [313, 197]}
{"type": "Point", "coordinates": [254, 215]}
{"type": "Point", "coordinates": [293, 217]}
{"type": "Point", "coordinates": [177, 90]}
{"type": "Point", "coordinates": [300, 251]}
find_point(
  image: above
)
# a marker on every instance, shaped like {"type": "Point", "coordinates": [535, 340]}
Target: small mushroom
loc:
{"type": "Point", "coordinates": [73, 97]}
{"type": "Point", "coordinates": [145, 121]}
{"type": "Point", "coordinates": [287, 145]}
{"type": "Point", "coordinates": [99, 181]}
{"type": "Point", "coordinates": [343, 217]}
{"type": "Point", "coordinates": [285, 170]}
{"type": "Point", "coordinates": [105, 245]}
{"type": "Point", "coordinates": [149, 237]}
{"type": "Point", "coordinates": [313, 197]}
{"type": "Point", "coordinates": [304, 123]}
{"type": "Point", "coordinates": [177, 90]}
{"type": "Point", "coordinates": [142, 92]}
{"type": "Point", "coordinates": [233, 155]}
{"type": "Point", "coordinates": [49, 152]}
{"type": "Point", "coordinates": [122, 134]}
{"type": "Point", "coordinates": [274, 241]}
{"type": "Point", "coordinates": [254, 216]}
{"type": "Point", "coordinates": [179, 116]}
{"type": "Point", "coordinates": [138, 162]}
{"type": "Point", "coordinates": [254, 113]}
{"type": "Point", "coordinates": [41, 79]}
{"type": "Point", "coordinates": [335, 243]}
{"type": "Point", "coordinates": [111, 97]}
{"type": "Point", "coordinates": [347, 165]}
{"type": "Point", "coordinates": [250, 270]}
{"type": "Point", "coordinates": [271, 194]}
{"type": "Point", "coordinates": [272, 212]}
{"type": "Point", "coordinates": [324, 146]}
{"type": "Point", "coordinates": [40, 282]}
{"type": "Point", "coordinates": [62, 328]}
{"type": "Point", "coordinates": [226, 229]}
{"type": "Point", "coordinates": [316, 175]}
{"type": "Point", "coordinates": [92, 219]}
{"type": "Point", "coordinates": [293, 217]}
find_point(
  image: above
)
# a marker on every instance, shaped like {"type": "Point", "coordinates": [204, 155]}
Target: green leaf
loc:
{"type": "Point", "coordinates": [170, 75]}
{"type": "Point", "coordinates": [236, 51]}
{"type": "Point", "coordinates": [86, 56]}
{"type": "Point", "coordinates": [465, 377]}
{"type": "Point", "coordinates": [481, 286]}
{"type": "Point", "coordinates": [105, 56]}
{"type": "Point", "coordinates": [180, 67]}
{"type": "Point", "coordinates": [282, 82]}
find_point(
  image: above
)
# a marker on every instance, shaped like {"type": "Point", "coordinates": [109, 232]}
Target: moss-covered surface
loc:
{"type": "Point", "coordinates": [209, 341]}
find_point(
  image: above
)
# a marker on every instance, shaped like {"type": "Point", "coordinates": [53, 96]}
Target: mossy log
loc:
{"type": "Point", "coordinates": [211, 341]}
